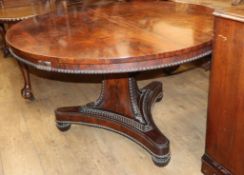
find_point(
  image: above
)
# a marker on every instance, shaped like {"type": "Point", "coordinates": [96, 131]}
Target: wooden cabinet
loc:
{"type": "Point", "coordinates": [224, 154]}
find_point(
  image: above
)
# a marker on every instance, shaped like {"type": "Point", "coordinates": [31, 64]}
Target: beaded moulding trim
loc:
{"type": "Point", "coordinates": [47, 67]}
{"type": "Point", "coordinates": [114, 117]}
{"type": "Point", "coordinates": [15, 19]}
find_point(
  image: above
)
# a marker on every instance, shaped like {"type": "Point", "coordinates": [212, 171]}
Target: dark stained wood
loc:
{"type": "Point", "coordinates": [123, 108]}
{"type": "Point", "coordinates": [4, 44]}
{"type": "Point", "coordinates": [119, 38]}
{"type": "Point", "coordinates": [118, 35]}
{"type": "Point", "coordinates": [225, 126]}
{"type": "Point", "coordinates": [26, 92]}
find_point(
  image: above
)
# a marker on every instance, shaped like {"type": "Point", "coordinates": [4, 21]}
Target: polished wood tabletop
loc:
{"type": "Point", "coordinates": [120, 37]}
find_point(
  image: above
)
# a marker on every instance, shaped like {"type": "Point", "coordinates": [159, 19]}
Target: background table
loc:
{"type": "Point", "coordinates": [13, 11]}
{"type": "Point", "coordinates": [116, 40]}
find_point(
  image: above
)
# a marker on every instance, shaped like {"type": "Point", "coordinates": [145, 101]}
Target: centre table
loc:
{"type": "Point", "coordinates": [116, 41]}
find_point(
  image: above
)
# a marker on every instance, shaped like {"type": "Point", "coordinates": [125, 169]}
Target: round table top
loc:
{"type": "Point", "coordinates": [119, 37]}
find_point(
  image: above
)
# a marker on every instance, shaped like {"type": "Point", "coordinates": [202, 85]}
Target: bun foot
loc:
{"type": "Point", "coordinates": [63, 126]}
{"type": "Point", "coordinates": [161, 161]}
{"type": "Point", "coordinates": [27, 94]}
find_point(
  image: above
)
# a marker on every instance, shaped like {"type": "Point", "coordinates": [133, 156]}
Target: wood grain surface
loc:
{"type": "Point", "coordinates": [225, 126]}
{"type": "Point", "coordinates": [125, 35]}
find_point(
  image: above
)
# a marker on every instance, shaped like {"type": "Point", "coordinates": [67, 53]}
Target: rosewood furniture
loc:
{"type": "Point", "coordinates": [116, 40]}
{"type": "Point", "coordinates": [224, 154]}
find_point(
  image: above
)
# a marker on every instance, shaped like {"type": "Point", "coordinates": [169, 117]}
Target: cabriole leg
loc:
{"type": "Point", "coordinates": [26, 90]}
